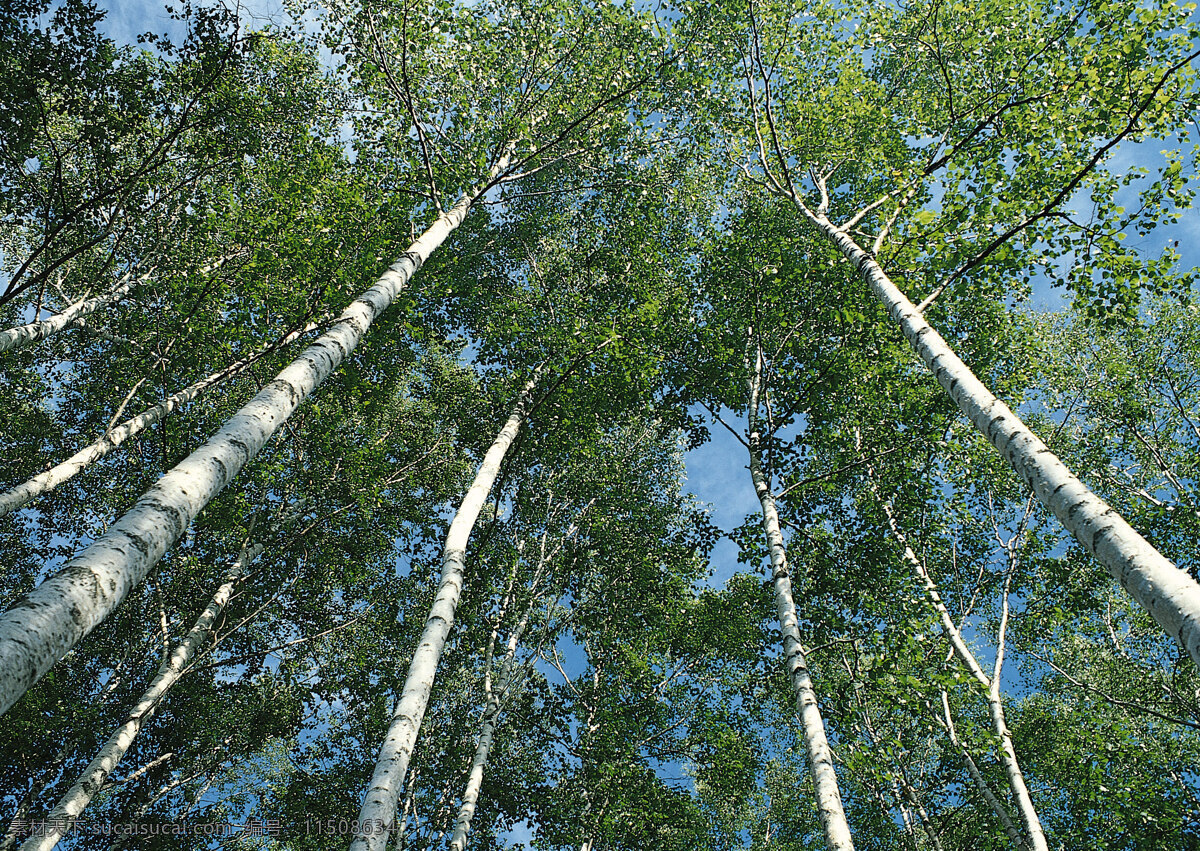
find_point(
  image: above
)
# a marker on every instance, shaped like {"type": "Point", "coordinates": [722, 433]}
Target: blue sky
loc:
{"type": "Point", "coordinates": [127, 19]}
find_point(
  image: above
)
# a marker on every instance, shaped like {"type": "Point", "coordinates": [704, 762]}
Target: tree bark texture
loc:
{"type": "Point", "coordinates": [495, 699]}
{"type": "Point", "coordinates": [1170, 596]}
{"type": "Point", "coordinates": [379, 805]}
{"type": "Point", "coordinates": [26, 335]}
{"type": "Point", "coordinates": [820, 757]}
{"type": "Point", "coordinates": [64, 471]}
{"type": "Point", "coordinates": [42, 626]}
{"type": "Point", "coordinates": [1008, 755]}
{"type": "Point", "coordinates": [93, 778]}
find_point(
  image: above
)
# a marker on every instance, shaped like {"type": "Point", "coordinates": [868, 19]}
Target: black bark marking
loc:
{"type": "Point", "coordinates": [138, 541]}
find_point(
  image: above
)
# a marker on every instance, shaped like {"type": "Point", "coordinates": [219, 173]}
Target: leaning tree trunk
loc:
{"type": "Point", "coordinates": [27, 335]}
{"type": "Point", "coordinates": [820, 757]}
{"type": "Point", "coordinates": [47, 622]}
{"type": "Point", "coordinates": [379, 805]}
{"type": "Point", "coordinates": [1166, 592]}
{"type": "Point", "coordinates": [64, 471]}
{"type": "Point", "coordinates": [505, 683]}
{"type": "Point", "coordinates": [508, 684]}
{"type": "Point", "coordinates": [1008, 754]}
{"type": "Point", "coordinates": [92, 780]}
{"type": "Point", "coordinates": [1010, 827]}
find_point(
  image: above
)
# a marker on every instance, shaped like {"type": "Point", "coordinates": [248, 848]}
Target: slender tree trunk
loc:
{"type": "Point", "coordinates": [820, 757]}
{"type": "Point", "coordinates": [93, 778]}
{"type": "Point", "coordinates": [27, 335]}
{"type": "Point", "coordinates": [509, 682]}
{"type": "Point", "coordinates": [1008, 754]}
{"type": "Point", "coordinates": [886, 810]}
{"type": "Point", "coordinates": [902, 791]}
{"type": "Point", "coordinates": [496, 698]}
{"type": "Point", "coordinates": [470, 799]}
{"type": "Point", "coordinates": [1166, 592]}
{"type": "Point", "coordinates": [161, 759]}
{"type": "Point", "coordinates": [906, 818]}
{"type": "Point", "coordinates": [909, 795]}
{"type": "Point", "coordinates": [379, 805]}
{"type": "Point", "coordinates": [47, 622]}
{"type": "Point", "coordinates": [410, 799]}
{"type": "Point", "coordinates": [1012, 769]}
{"type": "Point", "coordinates": [1001, 811]}
{"type": "Point", "coordinates": [64, 471]}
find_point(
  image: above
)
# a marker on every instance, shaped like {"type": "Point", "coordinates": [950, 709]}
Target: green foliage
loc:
{"type": "Point", "coordinates": [644, 246]}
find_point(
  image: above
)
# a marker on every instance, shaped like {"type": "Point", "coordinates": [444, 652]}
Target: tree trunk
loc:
{"type": "Point", "coordinates": [27, 335]}
{"type": "Point", "coordinates": [92, 780]}
{"type": "Point", "coordinates": [47, 622]}
{"type": "Point", "coordinates": [64, 471]}
{"type": "Point", "coordinates": [496, 697]}
{"type": "Point", "coordinates": [1166, 592]}
{"type": "Point", "coordinates": [820, 757]}
{"type": "Point", "coordinates": [902, 791]}
{"type": "Point", "coordinates": [1008, 754]}
{"type": "Point", "coordinates": [1014, 835]}
{"type": "Point", "coordinates": [379, 805]}
{"type": "Point", "coordinates": [909, 795]}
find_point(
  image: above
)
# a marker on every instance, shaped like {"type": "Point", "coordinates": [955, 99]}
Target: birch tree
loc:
{"type": "Point", "coordinates": [945, 101]}
{"type": "Point", "coordinates": [26, 492]}
{"type": "Point", "coordinates": [379, 805]}
{"type": "Point", "coordinates": [75, 314]}
{"type": "Point", "coordinates": [951, 153]}
{"type": "Point", "coordinates": [43, 627]}
{"type": "Point", "coordinates": [67, 810]}
{"type": "Point", "coordinates": [820, 757]}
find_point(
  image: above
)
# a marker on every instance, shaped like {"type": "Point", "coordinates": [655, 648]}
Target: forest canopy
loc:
{"type": "Point", "coordinates": [595, 426]}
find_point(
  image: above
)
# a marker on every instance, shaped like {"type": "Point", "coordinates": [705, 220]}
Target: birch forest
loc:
{"type": "Point", "coordinates": [600, 425]}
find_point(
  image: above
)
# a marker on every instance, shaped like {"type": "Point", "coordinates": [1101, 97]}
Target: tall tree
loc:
{"type": "Point", "coordinates": [66, 607]}
{"type": "Point", "coordinates": [981, 111]}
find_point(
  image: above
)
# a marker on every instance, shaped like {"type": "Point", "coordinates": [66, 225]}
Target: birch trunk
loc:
{"type": "Point", "coordinates": [487, 730]}
{"type": "Point", "coordinates": [93, 778]}
{"type": "Point", "coordinates": [470, 799]}
{"type": "Point", "coordinates": [1170, 596]}
{"type": "Point", "coordinates": [909, 795]}
{"type": "Point", "coordinates": [1014, 835]}
{"type": "Point", "coordinates": [902, 791]}
{"type": "Point", "coordinates": [1008, 754]}
{"type": "Point", "coordinates": [820, 757]}
{"type": "Point", "coordinates": [64, 471]}
{"type": "Point", "coordinates": [47, 622]}
{"type": "Point", "coordinates": [509, 682]}
{"type": "Point", "coordinates": [379, 805]}
{"type": "Point", "coordinates": [26, 335]}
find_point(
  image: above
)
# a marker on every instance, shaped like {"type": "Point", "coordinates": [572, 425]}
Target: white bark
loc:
{"type": "Point", "coordinates": [93, 778]}
{"type": "Point", "coordinates": [820, 757]}
{"type": "Point", "coordinates": [379, 805]}
{"type": "Point", "coordinates": [27, 335]}
{"type": "Point", "coordinates": [902, 791]}
{"type": "Point", "coordinates": [1008, 754]}
{"type": "Point", "coordinates": [43, 625]}
{"type": "Point", "coordinates": [64, 471]}
{"type": "Point", "coordinates": [1166, 592]}
{"type": "Point", "coordinates": [1014, 835]}
{"type": "Point", "coordinates": [909, 795]}
{"type": "Point", "coordinates": [496, 697]}
{"type": "Point", "coordinates": [470, 799]}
